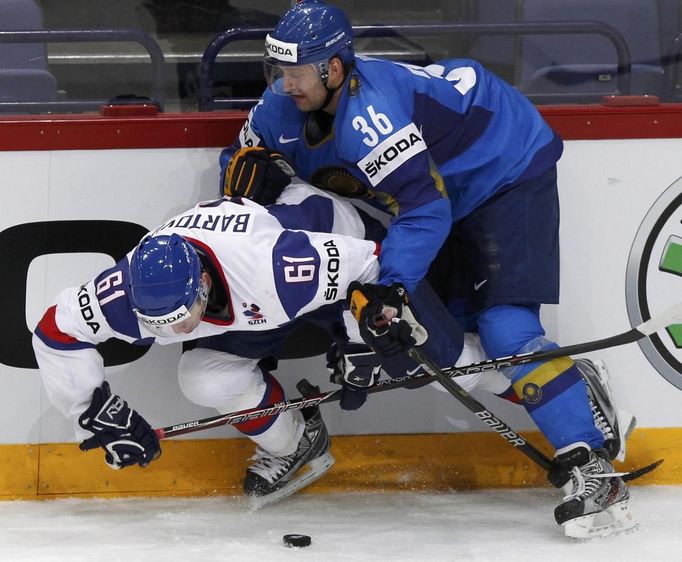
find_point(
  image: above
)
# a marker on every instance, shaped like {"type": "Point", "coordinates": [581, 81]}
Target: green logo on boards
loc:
{"type": "Point", "coordinates": [653, 283]}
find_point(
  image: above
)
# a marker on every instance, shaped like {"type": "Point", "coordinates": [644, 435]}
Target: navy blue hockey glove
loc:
{"type": "Point", "coordinates": [356, 367]}
{"type": "Point", "coordinates": [258, 174]}
{"type": "Point", "coordinates": [125, 435]}
{"type": "Point", "coordinates": [387, 322]}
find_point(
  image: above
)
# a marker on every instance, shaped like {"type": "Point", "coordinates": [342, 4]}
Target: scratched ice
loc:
{"type": "Point", "coordinates": [495, 525]}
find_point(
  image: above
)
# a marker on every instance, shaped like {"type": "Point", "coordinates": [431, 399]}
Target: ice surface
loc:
{"type": "Point", "coordinates": [486, 526]}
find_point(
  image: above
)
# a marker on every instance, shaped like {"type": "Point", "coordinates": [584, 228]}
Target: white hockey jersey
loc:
{"type": "Point", "coordinates": [268, 275]}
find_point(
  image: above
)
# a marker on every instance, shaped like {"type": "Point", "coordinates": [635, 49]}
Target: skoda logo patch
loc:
{"type": "Point", "coordinates": [653, 280]}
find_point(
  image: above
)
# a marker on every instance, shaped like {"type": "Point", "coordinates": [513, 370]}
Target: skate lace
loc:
{"type": "Point", "coordinates": [586, 479]}
{"type": "Point", "coordinates": [272, 468]}
{"type": "Point", "coordinates": [600, 420]}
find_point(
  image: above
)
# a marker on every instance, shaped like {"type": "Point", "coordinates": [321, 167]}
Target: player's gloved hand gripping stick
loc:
{"type": "Point", "coordinates": [356, 367]}
{"type": "Point", "coordinates": [387, 322]}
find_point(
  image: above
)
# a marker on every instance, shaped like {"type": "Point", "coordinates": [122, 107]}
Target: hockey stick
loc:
{"type": "Point", "coordinates": [478, 409]}
{"type": "Point", "coordinates": [655, 324]}
{"type": "Point", "coordinates": [495, 423]}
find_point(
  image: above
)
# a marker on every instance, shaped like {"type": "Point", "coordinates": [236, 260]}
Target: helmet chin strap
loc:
{"type": "Point", "coordinates": [331, 91]}
{"type": "Point", "coordinates": [329, 97]}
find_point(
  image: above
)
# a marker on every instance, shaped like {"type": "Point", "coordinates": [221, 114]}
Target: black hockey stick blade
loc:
{"type": "Point", "coordinates": [634, 474]}
{"type": "Point", "coordinates": [306, 389]}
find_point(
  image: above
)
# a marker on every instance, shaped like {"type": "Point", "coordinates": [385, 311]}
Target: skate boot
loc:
{"type": "Point", "coordinates": [598, 503]}
{"type": "Point", "coordinates": [616, 425]}
{"type": "Point", "coordinates": [271, 478]}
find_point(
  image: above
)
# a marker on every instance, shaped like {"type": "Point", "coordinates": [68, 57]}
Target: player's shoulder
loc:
{"type": "Point", "coordinates": [277, 107]}
{"type": "Point", "coordinates": [112, 291]}
{"type": "Point", "coordinates": [453, 63]}
{"type": "Point", "coordinates": [376, 74]}
{"type": "Point", "coordinates": [376, 104]}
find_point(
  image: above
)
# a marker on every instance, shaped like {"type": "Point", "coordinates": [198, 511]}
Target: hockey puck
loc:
{"type": "Point", "coordinates": [296, 541]}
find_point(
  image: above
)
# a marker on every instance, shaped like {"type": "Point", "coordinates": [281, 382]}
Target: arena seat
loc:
{"type": "Point", "coordinates": [670, 21]}
{"type": "Point", "coordinates": [23, 66]}
{"type": "Point", "coordinates": [497, 52]}
{"type": "Point", "coordinates": [671, 45]}
{"type": "Point", "coordinates": [587, 63]}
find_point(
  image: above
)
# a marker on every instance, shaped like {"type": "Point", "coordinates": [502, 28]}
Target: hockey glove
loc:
{"type": "Point", "coordinates": [356, 367]}
{"type": "Point", "coordinates": [387, 322]}
{"type": "Point", "coordinates": [125, 435]}
{"type": "Point", "coordinates": [257, 174]}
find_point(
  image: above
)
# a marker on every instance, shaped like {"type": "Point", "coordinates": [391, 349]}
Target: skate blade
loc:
{"type": "Point", "coordinates": [626, 424]}
{"type": "Point", "coordinates": [310, 472]}
{"type": "Point", "coordinates": [625, 420]}
{"type": "Point", "coordinates": [614, 520]}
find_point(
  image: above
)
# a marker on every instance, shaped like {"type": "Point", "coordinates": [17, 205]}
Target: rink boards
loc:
{"type": "Point", "coordinates": [76, 192]}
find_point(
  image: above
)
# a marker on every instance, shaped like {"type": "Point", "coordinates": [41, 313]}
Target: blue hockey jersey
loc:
{"type": "Point", "coordinates": [428, 145]}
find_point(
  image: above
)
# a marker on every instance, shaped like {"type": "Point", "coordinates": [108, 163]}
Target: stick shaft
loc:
{"type": "Point", "coordinates": [479, 410]}
{"type": "Point", "coordinates": [667, 317]}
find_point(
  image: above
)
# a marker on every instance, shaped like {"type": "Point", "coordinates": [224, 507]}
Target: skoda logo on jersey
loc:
{"type": "Point", "coordinates": [286, 52]}
{"type": "Point", "coordinates": [390, 154]}
{"type": "Point", "coordinates": [654, 280]}
{"type": "Point", "coordinates": [174, 317]}
{"type": "Point", "coordinates": [333, 267]}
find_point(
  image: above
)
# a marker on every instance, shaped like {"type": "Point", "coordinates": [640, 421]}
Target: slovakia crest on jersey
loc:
{"type": "Point", "coordinates": [253, 313]}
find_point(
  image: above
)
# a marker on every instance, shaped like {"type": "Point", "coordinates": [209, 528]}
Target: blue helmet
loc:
{"type": "Point", "coordinates": [165, 279]}
{"type": "Point", "coordinates": [310, 32]}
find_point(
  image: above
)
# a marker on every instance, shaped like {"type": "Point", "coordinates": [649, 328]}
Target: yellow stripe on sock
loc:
{"type": "Point", "coordinates": [543, 374]}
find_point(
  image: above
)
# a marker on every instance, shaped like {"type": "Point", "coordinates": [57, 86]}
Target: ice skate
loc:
{"type": "Point", "coordinates": [598, 503]}
{"type": "Point", "coordinates": [616, 425]}
{"type": "Point", "coordinates": [270, 479]}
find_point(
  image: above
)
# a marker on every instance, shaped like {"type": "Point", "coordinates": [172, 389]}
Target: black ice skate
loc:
{"type": "Point", "coordinates": [598, 503]}
{"type": "Point", "coordinates": [269, 478]}
{"type": "Point", "coordinates": [616, 425]}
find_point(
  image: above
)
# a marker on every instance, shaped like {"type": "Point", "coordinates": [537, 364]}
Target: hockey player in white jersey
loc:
{"type": "Point", "coordinates": [229, 274]}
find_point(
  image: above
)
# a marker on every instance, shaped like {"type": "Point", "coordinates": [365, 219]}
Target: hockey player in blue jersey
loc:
{"type": "Point", "coordinates": [467, 168]}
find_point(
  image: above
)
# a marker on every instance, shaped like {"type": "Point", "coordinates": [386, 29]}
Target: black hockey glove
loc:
{"type": "Point", "coordinates": [258, 174]}
{"type": "Point", "coordinates": [125, 435]}
{"type": "Point", "coordinates": [387, 322]}
{"type": "Point", "coordinates": [356, 367]}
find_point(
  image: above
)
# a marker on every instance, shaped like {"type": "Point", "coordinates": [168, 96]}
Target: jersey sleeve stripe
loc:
{"type": "Point", "coordinates": [50, 334]}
